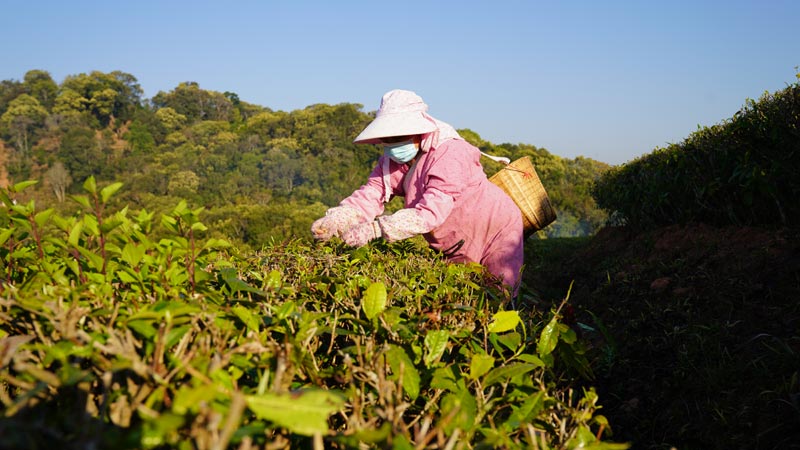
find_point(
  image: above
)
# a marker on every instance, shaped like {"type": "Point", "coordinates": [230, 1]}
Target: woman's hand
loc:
{"type": "Point", "coordinates": [336, 221]}
{"type": "Point", "coordinates": [359, 235]}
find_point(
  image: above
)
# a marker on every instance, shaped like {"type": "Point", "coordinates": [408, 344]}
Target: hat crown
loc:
{"type": "Point", "coordinates": [400, 101]}
{"type": "Point", "coordinates": [402, 113]}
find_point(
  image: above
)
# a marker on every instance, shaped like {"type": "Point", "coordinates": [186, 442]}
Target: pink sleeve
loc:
{"type": "Point", "coordinates": [369, 198]}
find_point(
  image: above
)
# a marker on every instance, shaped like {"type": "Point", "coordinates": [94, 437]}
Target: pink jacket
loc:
{"type": "Point", "coordinates": [449, 200]}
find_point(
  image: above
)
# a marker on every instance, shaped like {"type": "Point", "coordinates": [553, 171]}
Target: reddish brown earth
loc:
{"type": "Point", "coordinates": [694, 333]}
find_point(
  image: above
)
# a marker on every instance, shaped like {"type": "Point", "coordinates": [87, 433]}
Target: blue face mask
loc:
{"type": "Point", "coordinates": [401, 152]}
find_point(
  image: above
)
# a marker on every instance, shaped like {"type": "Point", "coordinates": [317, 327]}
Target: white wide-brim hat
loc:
{"type": "Point", "coordinates": [402, 113]}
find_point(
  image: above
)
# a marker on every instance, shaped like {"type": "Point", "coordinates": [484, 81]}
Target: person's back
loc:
{"type": "Point", "coordinates": [483, 216]}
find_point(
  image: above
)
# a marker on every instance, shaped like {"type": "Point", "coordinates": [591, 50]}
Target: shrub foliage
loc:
{"type": "Point", "coordinates": [122, 330]}
{"type": "Point", "coordinates": [741, 172]}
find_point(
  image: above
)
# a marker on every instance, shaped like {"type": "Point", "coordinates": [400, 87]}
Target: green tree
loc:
{"type": "Point", "coordinates": [81, 154]}
{"type": "Point", "coordinates": [24, 114]}
{"type": "Point", "coordinates": [57, 177]}
{"type": "Point", "coordinates": [9, 90]}
{"type": "Point", "coordinates": [101, 97]}
{"type": "Point", "coordinates": [209, 133]}
{"type": "Point", "coordinates": [40, 85]}
{"type": "Point", "coordinates": [320, 127]}
{"type": "Point", "coordinates": [196, 104]}
{"type": "Point", "coordinates": [270, 125]}
{"type": "Point", "coordinates": [183, 183]}
{"type": "Point", "coordinates": [70, 101]}
{"type": "Point", "coordinates": [170, 119]}
{"type": "Point", "coordinates": [282, 166]}
{"type": "Point", "coordinates": [129, 100]}
{"type": "Point", "coordinates": [140, 138]}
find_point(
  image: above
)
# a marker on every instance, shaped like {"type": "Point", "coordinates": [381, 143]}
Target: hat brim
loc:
{"type": "Point", "coordinates": [398, 124]}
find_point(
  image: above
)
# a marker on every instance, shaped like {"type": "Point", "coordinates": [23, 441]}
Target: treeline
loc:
{"type": "Point", "coordinates": [743, 171]}
{"type": "Point", "coordinates": [259, 174]}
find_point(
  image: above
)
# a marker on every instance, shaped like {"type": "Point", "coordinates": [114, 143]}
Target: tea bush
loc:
{"type": "Point", "coordinates": [122, 331]}
{"type": "Point", "coordinates": [740, 172]}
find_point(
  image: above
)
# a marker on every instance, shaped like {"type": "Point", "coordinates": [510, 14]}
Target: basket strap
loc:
{"type": "Point", "coordinates": [500, 159]}
{"type": "Point", "coordinates": [453, 249]}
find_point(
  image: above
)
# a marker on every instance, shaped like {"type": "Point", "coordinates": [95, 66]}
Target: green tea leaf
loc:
{"type": "Point", "coordinates": [110, 225]}
{"type": "Point", "coordinates": [155, 432]}
{"type": "Point", "coordinates": [526, 412]}
{"type": "Point", "coordinates": [144, 328]}
{"type": "Point", "coordinates": [180, 209]}
{"type": "Point", "coordinates": [567, 334]}
{"type": "Point", "coordinates": [5, 234]}
{"type": "Point", "coordinates": [90, 223]}
{"type": "Point", "coordinates": [169, 223]}
{"type": "Point", "coordinates": [19, 187]}
{"type": "Point", "coordinates": [302, 412]}
{"type": "Point", "coordinates": [504, 321]}
{"type": "Point", "coordinates": [215, 243]}
{"type": "Point", "coordinates": [42, 217]}
{"type": "Point", "coordinates": [479, 365]}
{"type": "Point", "coordinates": [435, 345]}
{"type": "Point", "coordinates": [531, 359]}
{"type": "Point", "coordinates": [238, 285]}
{"type": "Point", "coordinates": [548, 339]}
{"type": "Point", "coordinates": [75, 234]}
{"type": "Point", "coordinates": [108, 191]}
{"type": "Point", "coordinates": [190, 399]}
{"type": "Point", "coordinates": [274, 280]}
{"type": "Point", "coordinates": [401, 365]}
{"type": "Point", "coordinates": [124, 276]}
{"type": "Point", "coordinates": [175, 334]}
{"type": "Point", "coordinates": [132, 254]}
{"type": "Point", "coordinates": [89, 185]}
{"type": "Point", "coordinates": [374, 300]}
{"type": "Point", "coordinates": [582, 439]}
{"type": "Point", "coordinates": [285, 310]}
{"type": "Point", "coordinates": [505, 373]}
{"type": "Point", "coordinates": [443, 378]}
{"type": "Point", "coordinates": [401, 442]}
{"type": "Point", "coordinates": [21, 217]}
{"type": "Point", "coordinates": [511, 341]}
{"type": "Point", "coordinates": [244, 314]}
{"type": "Point", "coordinates": [94, 260]}
{"type": "Point", "coordinates": [198, 226]}
{"type": "Point", "coordinates": [462, 407]}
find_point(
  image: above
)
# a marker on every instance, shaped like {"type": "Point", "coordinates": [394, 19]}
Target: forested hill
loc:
{"type": "Point", "coordinates": [259, 173]}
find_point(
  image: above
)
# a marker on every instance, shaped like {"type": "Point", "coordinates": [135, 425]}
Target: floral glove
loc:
{"type": "Point", "coordinates": [361, 234]}
{"type": "Point", "coordinates": [403, 224]}
{"type": "Point", "coordinates": [336, 221]}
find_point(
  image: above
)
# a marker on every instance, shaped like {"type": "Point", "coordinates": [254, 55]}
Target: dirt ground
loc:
{"type": "Point", "coordinates": [694, 332]}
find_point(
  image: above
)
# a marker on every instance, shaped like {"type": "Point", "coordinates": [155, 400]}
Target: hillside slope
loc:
{"type": "Point", "coordinates": [695, 331]}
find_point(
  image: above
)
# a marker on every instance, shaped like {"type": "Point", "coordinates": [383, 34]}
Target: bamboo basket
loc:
{"type": "Point", "coordinates": [520, 181]}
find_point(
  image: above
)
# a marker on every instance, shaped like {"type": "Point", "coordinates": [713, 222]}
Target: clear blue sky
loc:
{"type": "Point", "coordinates": [610, 80]}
